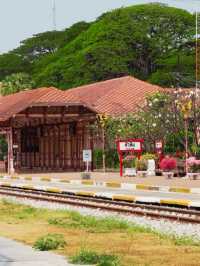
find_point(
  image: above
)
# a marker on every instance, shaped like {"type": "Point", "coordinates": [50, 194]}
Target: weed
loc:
{"type": "Point", "coordinates": [50, 242]}
{"type": "Point", "coordinates": [91, 257]}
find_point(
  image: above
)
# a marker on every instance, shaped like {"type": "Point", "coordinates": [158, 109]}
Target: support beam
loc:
{"type": "Point", "coordinates": [11, 169]}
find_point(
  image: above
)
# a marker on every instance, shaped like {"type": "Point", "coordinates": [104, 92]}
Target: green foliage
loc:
{"type": "Point", "coordinates": [91, 257]}
{"type": "Point", "coordinates": [112, 159]}
{"type": "Point", "coordinates": [15, 83]}
{"type": "Point", "coordinates": [147, 41]}
{"type": "Point", "coordinates": [50, 242]}
{"type": "Point", "coordinates": [98, 158]}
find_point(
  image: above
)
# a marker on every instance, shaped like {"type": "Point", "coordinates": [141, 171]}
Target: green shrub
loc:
{"type": "Point", "coordinates": [108, 260]}
{"type": "Point", "coordinates": [112, 160]}
{"type": "Point", "coordinates": [85, 257]}
{"type": "Point", "coordinates": [141, 164]}
{"type": "Point", "coordinates": [98, 158]}
{"type": "Point", "coordinates": [50, 242]}
{"type": "Point", "coordinates": [91, 257]}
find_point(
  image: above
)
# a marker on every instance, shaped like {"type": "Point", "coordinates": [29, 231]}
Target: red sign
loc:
{"type": "Point", "coordinates": [159, 145]}
{"type": "Point", "coordinates": [159, 149]}
{"type": "Point", "coordinates": [129, 145]}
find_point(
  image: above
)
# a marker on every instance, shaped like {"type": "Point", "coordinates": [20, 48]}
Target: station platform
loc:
{"type": "Point", "coordinates": [115, 177]}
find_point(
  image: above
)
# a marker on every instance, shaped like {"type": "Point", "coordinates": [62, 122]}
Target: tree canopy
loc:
{"type": "Point", "coordinates": [148, 41]}
{"type": "Point", "coordinates": [15, 83]}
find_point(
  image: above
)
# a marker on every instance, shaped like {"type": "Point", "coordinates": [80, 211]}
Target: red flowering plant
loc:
{"type": "Point", "coordinates": [193, 165]}
{"type": "Point", "coordinates": [168, 164]}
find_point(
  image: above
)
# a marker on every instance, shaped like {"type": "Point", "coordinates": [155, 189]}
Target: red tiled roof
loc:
{"type": "Point", "coordinates": [115, 97]}
{"type": "Point", "coordinates": [15, 103]}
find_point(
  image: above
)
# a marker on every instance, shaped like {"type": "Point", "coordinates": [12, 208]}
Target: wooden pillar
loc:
{"type": "Point", "coordinates": [11, 169]}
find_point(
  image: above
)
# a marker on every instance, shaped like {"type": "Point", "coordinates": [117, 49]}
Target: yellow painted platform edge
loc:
{"type": "Point", "coordinates": [28, 178]}
{"type": "Point", "coordinates": [87, 182]}
{"type": "Point", "coordinates": [180, 202]}
{"type": "Point", "coordinates": [180, 189]}
{"type": "Point", "coordinates": [147, 187]}
{"type": "Point", "coordinates": [85, 193]}
{"type": "Point", "coordinates": [113, 184]}
{"type": "Point", "coordinates": [28, 187]}
{"type": "Point", "coordinates": [124, 197]}
{"type": "Point", "coordinates": [46, 179]}
{"type": "Point", "coordinates": [64, 181]}
{"type": "Point", "coordinates": [5, 184]}
{"type": "Point", "coordinates": [53, 189]}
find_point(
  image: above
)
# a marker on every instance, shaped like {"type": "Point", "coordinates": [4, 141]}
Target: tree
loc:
{"type": "Point", "coordinates": [15, 83]}
{"type": "Point", "coordinates": [137, 40]}
{"type": "Point", "coordinates": [160, 119]}
{"type": "Point", "coordinates": [153, 42]}
{"type": "Point", "coordinates": [37, 48]}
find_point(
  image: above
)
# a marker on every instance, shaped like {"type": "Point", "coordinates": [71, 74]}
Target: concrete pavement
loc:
{"type": "Point", "coordinates": [114, 177]}
{"type": "Point", "coordinates": [13, 253]}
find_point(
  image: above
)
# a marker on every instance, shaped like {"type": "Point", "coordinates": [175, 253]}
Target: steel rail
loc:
{"type": "Point", "coordinates": [103, 205]}
{"type": "Point", "coordinates": [156, 206]}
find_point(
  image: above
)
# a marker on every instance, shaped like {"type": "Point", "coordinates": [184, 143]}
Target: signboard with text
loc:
{"type": "Point", "coordinates": [87, 155]}
{"type": "Point", "coordinates": [128, 146]}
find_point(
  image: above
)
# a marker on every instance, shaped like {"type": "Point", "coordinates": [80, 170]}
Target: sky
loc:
{"type": "Point", "coordinates": [20, 19]}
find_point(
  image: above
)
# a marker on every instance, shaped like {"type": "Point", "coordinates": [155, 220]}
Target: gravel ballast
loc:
{"type": "Point", "coordinates": [162, 226]}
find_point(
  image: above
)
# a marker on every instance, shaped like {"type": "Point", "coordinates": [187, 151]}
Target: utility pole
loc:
{"type": "Point", "coordinates": [197, 52]}
{"type": "Point", "coordinates": [54, 15]}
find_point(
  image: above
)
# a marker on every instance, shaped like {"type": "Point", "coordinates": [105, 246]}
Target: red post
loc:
{"type": "Point", "coordinates": [121, 164]}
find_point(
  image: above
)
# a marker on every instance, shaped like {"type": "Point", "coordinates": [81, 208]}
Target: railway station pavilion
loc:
{"type": "Point", "coordinates": [47, 128]}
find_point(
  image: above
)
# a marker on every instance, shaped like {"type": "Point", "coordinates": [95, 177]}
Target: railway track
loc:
{"type": "Point", "coordinates": [139, 209]}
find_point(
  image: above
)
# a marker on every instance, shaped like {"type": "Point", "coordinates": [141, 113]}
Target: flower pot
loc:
{"type": "Point", "coordinates": [129, 172]}
{"type": "Point", "coordinates": [193, 176]}
{"type": "Point", "coordinates": [168, 175]}
{"type": "Point", "coordinates": [142, 173]}
{"type": "Point", "coordinates": [151, 168]}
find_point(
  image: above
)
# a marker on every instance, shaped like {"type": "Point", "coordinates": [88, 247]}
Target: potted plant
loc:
{"type": "Point", "coordinates": [141, 166]}
{"type": "Point", "coordinates": [168, 165]}
{"type": "Point", "coordinates": [129, 166]}
{"type": "Point", "coordinates": [151, 164]}
{"type": "Point", "coordinates": [193, 167]}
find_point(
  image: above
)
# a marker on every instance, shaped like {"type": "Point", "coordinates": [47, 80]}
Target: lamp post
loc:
{"type": "Point", "coordinates": [186, 108]}
{"type": "Point", "coordinates": [102, 118]}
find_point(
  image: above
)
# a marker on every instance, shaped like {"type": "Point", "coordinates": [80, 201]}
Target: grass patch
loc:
{"type": "Point", "coordinates": [90, 223]}
{"type": "Point", "coordinates": [185, 241]}
{"type": "Point", "coordinates": [92, 257]}
{"type": "Point", "coordinates": [50, 242]}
